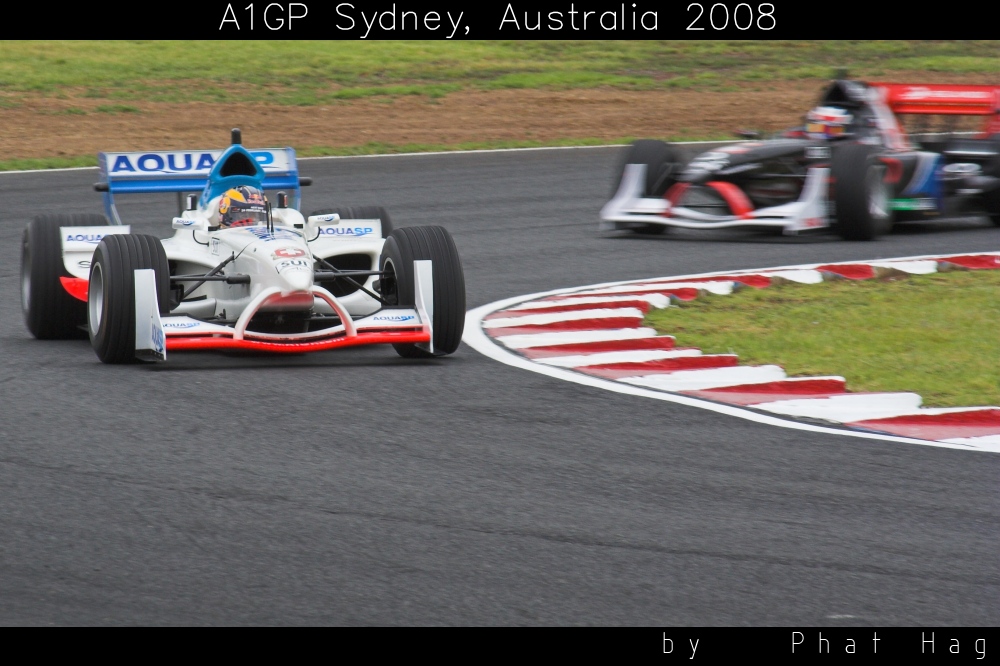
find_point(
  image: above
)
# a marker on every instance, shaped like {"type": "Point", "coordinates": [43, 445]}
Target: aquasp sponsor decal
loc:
{"type": "Point", "coordinates": [162, 163]}
{"type": "Point", "coordinates": [166, 163]}
{"type": "Point", "coordinates": [85, 238]}
{"type": "Point", "coordinates": [353, 232]}
{"type": "Point", "coordinates": [393, 318]}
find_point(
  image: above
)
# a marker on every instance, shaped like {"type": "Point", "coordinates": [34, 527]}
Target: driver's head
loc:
{"type": "Point", "coordinates": [242, 206]}
{"type": "Point", "coordinates": [827, 122]}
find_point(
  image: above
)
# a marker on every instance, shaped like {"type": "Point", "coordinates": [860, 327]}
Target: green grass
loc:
{"type": "Point", "coordinates": [309, 73]}
{"type": "Point", "coordinates": [377, 148]}
{"type": "Point", "coordinates": [937, 335]}
{"type": "Point", "coordinates": [313, 72]}
{"type": "Point", "coordinates": [369, 148]}
{"type": "Point", "coordinates": [30, 164]}
{"type": "Point", "coordinates": [116, 108]}
{"type": "Point", "coordinates": [71, 111]}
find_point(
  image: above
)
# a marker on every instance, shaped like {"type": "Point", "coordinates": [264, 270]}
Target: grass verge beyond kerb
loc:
{"type": "Point", "coordinates": [937, 335]}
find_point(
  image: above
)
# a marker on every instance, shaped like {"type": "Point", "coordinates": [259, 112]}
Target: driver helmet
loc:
{"type": "Point", "coordinates": [827, 122]}
{"type": "Point", "coordinates": [242, 206]}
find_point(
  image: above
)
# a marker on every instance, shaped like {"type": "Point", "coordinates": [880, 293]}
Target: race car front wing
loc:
{"type": "Point", "coordinates": [629, 205]}
{"type": "Point", "coordinates": [156, 335]}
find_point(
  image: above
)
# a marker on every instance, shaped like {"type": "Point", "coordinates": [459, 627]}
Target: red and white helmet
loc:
{"type": "Point", "coordinates": [827, 122]}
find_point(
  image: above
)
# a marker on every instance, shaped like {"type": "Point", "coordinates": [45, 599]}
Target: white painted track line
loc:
{"type": "Point", "coordinates": [722, 288]}
{"type": "Point", "coordinates": [922, 267]}
{"type": "Point", "coordinates": [574, 337]}
{"type": "Point", "coordinates": [800, 276]}
{"type": "Point", "coordinates": [693, 380]}
{"type": "Point", "coordinates": [655, 300]}
{"type": "Point", "coordinates": [847, 408]}
{"type": "Point", "coordinates": [639, 356]}
{"type": "Point", "coordinates": [541, 319]}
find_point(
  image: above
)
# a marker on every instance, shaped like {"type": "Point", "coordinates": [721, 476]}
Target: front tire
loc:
{"type": "Point", "coordinates": [861, 194]}
{"type": "Point", "coordinates": [50, 313]}
{"type": "Point", "coordinates": [663, 164]}
{"type": "Point", "coordinates": [111, 298]}
{"type": "Point", "coordinates": [401, 249]}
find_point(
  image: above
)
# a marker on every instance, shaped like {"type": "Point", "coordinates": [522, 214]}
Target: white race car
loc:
{"type": "Point", "coordinates": [285, 283]}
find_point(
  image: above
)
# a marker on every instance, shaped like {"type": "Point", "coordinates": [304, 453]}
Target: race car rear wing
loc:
{"type": "Point", "coordinates": [187, 171]}
{"type": "Point", "coordinates": [945, 99]}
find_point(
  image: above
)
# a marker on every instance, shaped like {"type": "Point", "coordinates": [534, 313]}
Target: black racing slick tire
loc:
{"type": "Point", "coordinates": [360, 213]}
{"type": "Point", "coordinates": [991, 201]}
{"type": "Point", "coordinates": [861, 194]}
{"type": "Point", "coordinates": [401, 249]}
{"type": "Point", "coordinates": [111, 300]}
{"type": "Point", "coordinates": [50, 313]}
{"type": "Point", "coordinates": [663, 164]}
{"type": "Point", "coordinates": [991, 198]}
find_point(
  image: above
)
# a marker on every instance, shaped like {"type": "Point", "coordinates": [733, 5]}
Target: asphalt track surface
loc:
{"type": "Point", "coordinates": [354, 487]}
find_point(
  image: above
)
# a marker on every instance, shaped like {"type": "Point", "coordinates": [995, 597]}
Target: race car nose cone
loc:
{"type": "Point", "coordinates": [298, 280]}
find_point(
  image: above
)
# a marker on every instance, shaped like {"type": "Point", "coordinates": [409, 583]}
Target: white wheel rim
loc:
{"type": "Point", "coordinates": [25, 277]}
{"type": "Point", "coordinates": [95, 300]}
{"type": "Point", "coordinates": [878, 199]}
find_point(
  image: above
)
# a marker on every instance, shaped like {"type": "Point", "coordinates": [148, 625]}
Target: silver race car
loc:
{"type": "Point", "coordinates": [866, 157]}
{"type": "Point", "coordinates": [238, 272]}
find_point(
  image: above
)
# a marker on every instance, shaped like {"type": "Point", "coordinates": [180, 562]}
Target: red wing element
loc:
{"type": "Point", "coordinates": [77, 287]}
{"type": "Point", "coordinates": [734, 196]}
{"type": "Point", "coordinates": [178, 343]}
{"type": "Point", "coordinates": [674, 195]}
{"type": "Point", "coordinates": [894, 169]}
{"type": "Point", "coordinates": [945, 99]}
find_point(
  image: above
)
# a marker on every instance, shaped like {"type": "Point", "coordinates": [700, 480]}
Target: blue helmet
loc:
{"type": "Point", "coordinates": [242, 206]}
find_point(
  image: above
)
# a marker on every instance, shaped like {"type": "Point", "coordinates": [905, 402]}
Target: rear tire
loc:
{"type": "Point", "coordinates": [50, 313]}
{"type": "Point", "coordinates": [861, 194]}
{"type": "Point", "coordinates": [991, 199]}
{"type": "Point", "coordinates": [402, 248]}
{"type": "Point", "coordinates": [360, 213]}
{"type": "Point", "coordinates": [662, 162]}
{"type": "Point", "coordinates": [991, 202]}
{"type": "Point", "coordinates": [111, 299]}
